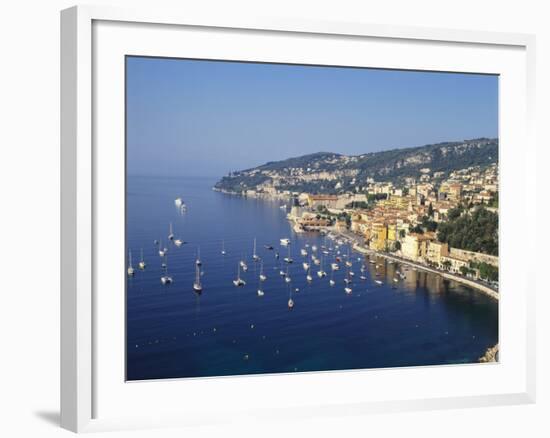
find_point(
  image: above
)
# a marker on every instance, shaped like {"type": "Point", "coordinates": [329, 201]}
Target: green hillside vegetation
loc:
{"type": "Point", "coordinates": [392, 165]}
{"type": "Point", "coordinates": [473, 231]}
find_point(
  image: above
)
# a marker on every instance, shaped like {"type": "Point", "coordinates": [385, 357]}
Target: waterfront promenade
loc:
{"type": "Point", "coordinates": [358, 246]}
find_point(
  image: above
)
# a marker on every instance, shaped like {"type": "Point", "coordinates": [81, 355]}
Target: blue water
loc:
{"type": "Point", "coordinates": [172, 332]}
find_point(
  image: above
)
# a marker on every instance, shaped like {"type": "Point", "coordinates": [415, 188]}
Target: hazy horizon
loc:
{"type": "Point", "coordinates": [182, 114]}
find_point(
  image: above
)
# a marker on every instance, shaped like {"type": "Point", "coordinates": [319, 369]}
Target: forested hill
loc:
{"type": "Point", "coordinates": [328, 169]}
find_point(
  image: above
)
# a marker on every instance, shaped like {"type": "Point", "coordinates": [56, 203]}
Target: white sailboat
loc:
{"type": "Point", "coordinates": [347, 280]}
{"type": "Point", "coordinates": [223, 247]}
{"type": "Point", "coordinates": [262, 278]}
{"type": "Point", "coordinates": [331, 281]}
{"type": "Point", "coordinates": [288, 259]}
{"type": "Point", "coordinates": [166, 279]}
{"type": "Point", "coordinates": [243, 265]}
{"type": "Point", "coordinates": [178, 202]}
{"type": "Point", "coordinates": [290, 303]}
{"type": "Point", "coordinates": [197, 285]}
{"type": "Point", "coordinates": [287, 277]}
{"type": "Point", "coordinates": [320, 272]}
{"type": "Point", "coordinates": [309, 278]}
{"type": "Point", "coordinates": [285, 241]}
{"type": "Point", "coordinates": [303, 251]}
{"type": "Point", "coordinates": [335, 266]}
{"type": "Point", "coordinates": [171, 233]}
{"type": "Point", "coordinates": [306, 266]}
{"type": "Point", "coordinates": [262, 275]}
{"type": "Point", "coordinates": [239, 281]}
{"type": "Point", "coordinates": [378, 282]}
{"type": "Point", "coordinates": [142, 263]}
{"type": "Point", "coordinates": [130, 267]}
{"type": "Point", "coordinates": [162, 251]}
{"type": "Point", "coordinates": [255, 256]}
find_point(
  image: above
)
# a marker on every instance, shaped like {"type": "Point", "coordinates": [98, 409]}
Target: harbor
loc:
{"type": "Point", "coordinates": [247, 294]}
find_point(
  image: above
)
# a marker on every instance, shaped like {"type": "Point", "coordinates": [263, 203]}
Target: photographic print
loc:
{"type": "Point", "coordinates": [297, 218]}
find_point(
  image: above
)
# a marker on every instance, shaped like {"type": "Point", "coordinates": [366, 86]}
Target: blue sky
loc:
{"type": "Point", "coordinates": [193, 118]}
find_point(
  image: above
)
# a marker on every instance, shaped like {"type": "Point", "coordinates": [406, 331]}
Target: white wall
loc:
{"type": "Point", "coordinates": [29, 219]}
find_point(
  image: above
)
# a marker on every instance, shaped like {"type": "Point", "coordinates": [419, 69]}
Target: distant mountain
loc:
{"type": "Point", "coordinates": [328, 172]}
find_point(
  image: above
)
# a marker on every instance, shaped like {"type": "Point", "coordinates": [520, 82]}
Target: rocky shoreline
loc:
{"type": "Point", "coordinates": [491, 355]}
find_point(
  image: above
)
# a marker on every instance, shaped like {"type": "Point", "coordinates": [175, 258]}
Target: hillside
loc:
{"type": "Point", "coordinates": [330, 172]}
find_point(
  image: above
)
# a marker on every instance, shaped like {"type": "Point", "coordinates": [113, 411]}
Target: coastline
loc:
{"type": "Point", "coordinates": [491, 355]}
{"type": "Point", "coordinates": [355, 243]}
{"type": "Point", "coordinates": [474, 284]}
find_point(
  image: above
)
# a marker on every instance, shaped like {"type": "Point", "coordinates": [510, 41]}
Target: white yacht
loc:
{"type": "Point", "coordinates": [303, 252]}
{"type": "Point", "coordinates": [285, 241]}
{"type": "Point", "coordinates": [335, 266]}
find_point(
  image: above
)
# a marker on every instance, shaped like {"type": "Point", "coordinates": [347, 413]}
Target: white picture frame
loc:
{"type": "Point", "coordinates": [83, 371]}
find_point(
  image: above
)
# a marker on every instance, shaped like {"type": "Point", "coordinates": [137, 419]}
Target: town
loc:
{"type": "Point", "coordinates": [449, 224]}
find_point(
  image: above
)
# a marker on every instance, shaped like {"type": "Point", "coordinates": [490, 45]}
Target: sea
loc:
{"type": "Point", "coordinates": [172, 332]}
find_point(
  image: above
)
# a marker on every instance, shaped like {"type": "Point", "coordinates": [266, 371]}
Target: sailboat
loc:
{"type": "Point", "coordinates": [198, 262]}
{"type": "Point", "coordinates": [243, 265]}
{"type": "Point", "coordinates": [290, 300]}
{"type": "Point", "coordinates": [303, 251]}
{"type": "Point", "coordinates": [197, 285]}
{"type": "Point", "coordinates": [223, 247]}
{"type": "Point", "coordinates": [348, 288]}
{"type": "Point", "coordinates": [308, 276]}
{"type": "Point", "coordinates": [320, 272]}
{"type": "Point", "coordinates": [166, 279]}
{"type": "Point", "coordinates": [162, 251]}
{"type": "Point", "coordinates": [262, 278]}
{"type": "Point", "coordinates": [130, 267]}
{"type": "Point", "coordinates": [306, 265]}
{"type": "Point", "coordinates": [288, 259]}
{"type": "Point", "coordinates": [255, 256]}
{"type": "Point", "coordinates": [262, 275]}
{"type": "Point", "coordinates": [347, 280]}
{"type": "Point", "coordinates": [171, 233]}
{"type": "Point", "coordinates": [335, 266]}
{"type": "Point", "coordinates": [239, 281]}
{"type": "Point", "coordinates": [287, 277]}
{"type": "Point", "coordinates": [281, 272]}
{"type": "Point", "coordinates": [331, 281]}
{"type": "Point", "coordinates": [178, 242]}
{"type": "Point", "coordinates": [142, 263]}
